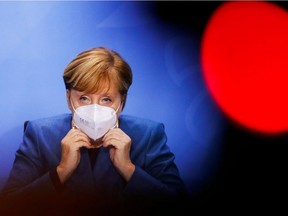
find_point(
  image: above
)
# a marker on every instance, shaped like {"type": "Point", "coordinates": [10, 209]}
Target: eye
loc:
{"type": "Point", "coordinates": [85, 100]}
{"type": "Point", "coordinates": [106, 101]}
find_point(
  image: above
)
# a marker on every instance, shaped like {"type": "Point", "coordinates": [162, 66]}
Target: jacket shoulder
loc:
{"type": "Point", "coordinates": [133, 123]}
{"type": "Point", "coordinates": [128, 119]}
{"type": "Point", "coordinates": [52, 121]}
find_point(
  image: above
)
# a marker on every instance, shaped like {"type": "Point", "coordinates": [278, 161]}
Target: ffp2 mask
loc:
{"type": "Point", "coordinates": [95, 120]}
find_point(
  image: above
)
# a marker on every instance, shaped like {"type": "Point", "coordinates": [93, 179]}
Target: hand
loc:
{"type": "Point", "coordinates": [119, 144]}
{"type": "Point", "coordinates": [71, 144]}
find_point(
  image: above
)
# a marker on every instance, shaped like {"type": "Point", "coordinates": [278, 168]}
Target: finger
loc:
{"type": "Point", "coordinates": [85, 144]}
{"type": "Point", "coordinates": [107, 142]}
{"type": "Point", "coordinates": [112, 142]}
{"type": "Point", "coordinates": [71, 132]}
{"type": "Point", "coordinates": [78, 134]}
{"type": "Point", "coordinates": [111, 138]}
{"type": "Point", "coordinates": [79, 137]}
{"type": "Point", "coordinates": [114, 133]}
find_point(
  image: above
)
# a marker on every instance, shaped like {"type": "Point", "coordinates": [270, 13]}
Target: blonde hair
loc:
{"type": "Point", "coordinates": [95, 68]}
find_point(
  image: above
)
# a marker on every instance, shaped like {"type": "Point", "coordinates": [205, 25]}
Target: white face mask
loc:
{"type": "Point", "coordinates": [95, 120]}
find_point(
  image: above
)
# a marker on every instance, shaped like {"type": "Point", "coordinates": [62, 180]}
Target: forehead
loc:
{"type": "Point", "coordinates": [103, 90]}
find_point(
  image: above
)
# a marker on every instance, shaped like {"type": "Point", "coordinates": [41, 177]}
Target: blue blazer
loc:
{"type": "Point", "coordinates": [156, 175]}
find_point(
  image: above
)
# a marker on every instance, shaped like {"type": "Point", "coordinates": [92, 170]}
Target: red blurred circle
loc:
{"type": "Point", "coordinates": [245, 63]}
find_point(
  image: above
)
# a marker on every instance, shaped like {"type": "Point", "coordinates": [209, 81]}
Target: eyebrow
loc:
{"type": "Point", "coordinates": [107, 94]}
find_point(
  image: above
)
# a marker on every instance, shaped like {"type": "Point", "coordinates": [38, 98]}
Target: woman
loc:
{"type": "Point", "coordinates": [94, 159]}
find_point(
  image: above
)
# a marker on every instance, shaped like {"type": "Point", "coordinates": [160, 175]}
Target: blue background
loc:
{"type": "Point", "coordinates": [38, 40]}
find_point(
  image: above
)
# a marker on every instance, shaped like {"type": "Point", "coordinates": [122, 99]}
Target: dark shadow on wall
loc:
{"type": "Point", "coordinates": [9, 145]}
{"type": "Point", "coordinates": [194, 14]}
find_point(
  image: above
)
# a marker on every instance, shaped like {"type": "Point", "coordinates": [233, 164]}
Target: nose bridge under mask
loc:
{"type": "Point", "coordinates": [95, 107]}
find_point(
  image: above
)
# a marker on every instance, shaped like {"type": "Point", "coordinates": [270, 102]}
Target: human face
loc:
{"type": "Point", "coordinates": [104, 97]}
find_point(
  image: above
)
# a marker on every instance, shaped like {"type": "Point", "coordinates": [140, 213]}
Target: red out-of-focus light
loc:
{"type": "Point", "coordinates": [244, 54]}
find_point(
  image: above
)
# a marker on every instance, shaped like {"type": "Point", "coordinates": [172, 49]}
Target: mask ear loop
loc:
{"type": "Point", "coordinates": [116, 125]}
{"type": "Point", "coordinates": [74, 126]}
{"type": "Point", "coordinates": [117, 122]}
